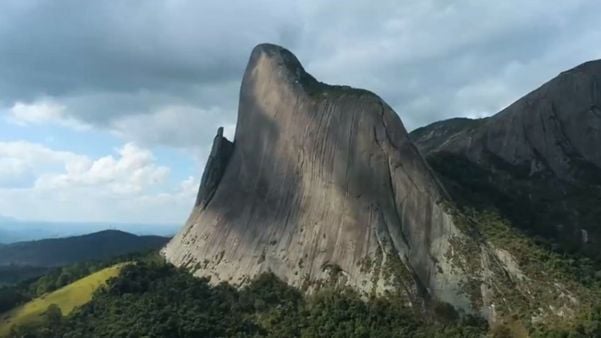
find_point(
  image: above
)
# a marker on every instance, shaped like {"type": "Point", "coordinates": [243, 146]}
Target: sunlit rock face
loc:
{"type": "Point", "coordinates": [322, 185]}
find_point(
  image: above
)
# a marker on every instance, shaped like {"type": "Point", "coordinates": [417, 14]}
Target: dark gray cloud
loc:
{"type": "Point", "coordinates": [64, 47]}
{"type": "Point", "coordinates": [131, 67]}
{"type": "Point", "coordinates": [437, 59]}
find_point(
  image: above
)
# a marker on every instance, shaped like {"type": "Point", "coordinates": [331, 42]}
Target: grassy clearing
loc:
{"type": "Point", "coordinates": [66, 298]}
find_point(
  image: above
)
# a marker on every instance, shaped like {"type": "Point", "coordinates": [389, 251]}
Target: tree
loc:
{"type": "Point", "coordinates": [54, 315]}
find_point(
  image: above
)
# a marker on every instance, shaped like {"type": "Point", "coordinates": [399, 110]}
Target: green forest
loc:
{"type": "Point", "coordinates": [154, 299]}
{"type": "Point", "coordinates": [151, 298]}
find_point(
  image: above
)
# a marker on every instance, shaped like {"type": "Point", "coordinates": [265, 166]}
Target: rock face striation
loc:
{"type": "Point", "coordinates": [322, 185]}
{"type": "Point", "coordinates": [556, 128]}
{"type": "Point", "coordinates": [541, 156]}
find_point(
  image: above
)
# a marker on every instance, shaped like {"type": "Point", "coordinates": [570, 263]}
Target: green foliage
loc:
{"type": "Point", "coordinates": [157, 300]}
{"type": "Point", "coordinates": [342, 313]}
{"type": "Point", "coordinates": [537, 219]}
{"type": "Point", "coordinates": [590, 326]}
{"type": "Point", "coordinates": [60, 277]}
{"type": "Point", "coordinates": [533, 256]}
{"type": "Point", "coordinates": [54, 315]}
{"type": "Point", "coordinates": [154, 299]}
{"type": "Point", "coordinates": [45, 309]}
{"type": "Point", "coordinates": [547, 275]}
{"type": "Point", "coordinates": [13, 295]}
{"type": "Point", "coordinates": [14, 274]}
{"type": "Point", "coordinates": [445, 311]}
{"type": "Point", "coordinates": [545, 208]}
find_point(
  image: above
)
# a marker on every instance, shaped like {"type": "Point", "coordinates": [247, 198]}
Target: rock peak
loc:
{"type": "Point", "coordinates": [277, 54]}
{"type": "Point", "coordinates": [322, 183]}
{"type": "Point", "coordinates": [279, 64]}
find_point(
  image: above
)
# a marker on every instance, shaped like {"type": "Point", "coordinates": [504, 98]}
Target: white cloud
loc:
{"type": "Point", "coordinates": [229, 130]}
{"type": "Point", "coordinates": [175, 126]}
{"type": "Point", "coordinates": [21, 159]}
{"type": "Point", "coordinates": [128, 186]}
{"type": "Point", "coordinates": [44, 110]}
{"type": "Point", "coordinates": [437, 59]}
{"type": "Point", "coordinates": [131, 172]}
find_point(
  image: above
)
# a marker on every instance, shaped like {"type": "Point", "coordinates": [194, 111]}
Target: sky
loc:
{"type": "Point", "coordinates": [108, 108]}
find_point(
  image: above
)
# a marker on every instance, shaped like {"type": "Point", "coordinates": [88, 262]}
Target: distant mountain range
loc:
{"type": "Point", "coordinates": [14, 230]}
{"type": "Point", "coordinates": [63, 251]}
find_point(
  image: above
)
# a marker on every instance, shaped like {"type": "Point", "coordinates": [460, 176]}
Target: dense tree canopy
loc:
{"type": "Point", "coordinates": [151, 299]}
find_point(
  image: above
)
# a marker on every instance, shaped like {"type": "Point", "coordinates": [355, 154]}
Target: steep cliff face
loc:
{"type": "Point", "coordinates": [539, 159]}
{"type": "Point", "coordinates": [215, 168]}
{"type": "Point", "coordinates": [322, 185]}
{"type": "Point", "coordinates": [556, 128]}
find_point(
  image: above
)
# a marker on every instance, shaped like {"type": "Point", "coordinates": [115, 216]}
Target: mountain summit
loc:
{"type": "Point", "coordinates": [322, 185]}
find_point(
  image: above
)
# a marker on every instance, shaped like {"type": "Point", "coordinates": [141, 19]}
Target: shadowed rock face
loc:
{"type": "Point", "coordinates": [556, 128]}
{"type": "Point", "coordinates": [323, 185]}
{"type": "Point", "coordinates": [215, 168]}
{"type": "Point", "coordinates": [541, 156]}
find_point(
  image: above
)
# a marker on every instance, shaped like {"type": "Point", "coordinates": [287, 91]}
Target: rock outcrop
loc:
{"type": "Point", "coordinates": [215, 168]}
{"type": "Point", "coordinates": [539, 158]}
{"type": "Point", "coordinates": [557, 127]}
{"type": "Point", "coordinates": [322, 185]}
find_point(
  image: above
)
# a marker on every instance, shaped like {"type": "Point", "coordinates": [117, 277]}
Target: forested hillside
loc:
{"type": "Point", "coordinates": [68, 250]}
{"type": "Point", "coordinates": [154, 299]}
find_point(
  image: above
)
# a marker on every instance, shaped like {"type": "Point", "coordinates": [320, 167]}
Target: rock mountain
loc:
{"type": "Point", "coordinates": [538, 160]}
{"type": "Point", "coordinates": [322, 185]}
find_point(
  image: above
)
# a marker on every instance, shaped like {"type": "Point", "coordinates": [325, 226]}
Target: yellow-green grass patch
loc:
{"type": "Point", "coordinates": [67, 298]}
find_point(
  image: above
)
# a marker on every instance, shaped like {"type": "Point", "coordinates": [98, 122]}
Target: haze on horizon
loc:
{"type": "Point", "coordinates": [108, 109]}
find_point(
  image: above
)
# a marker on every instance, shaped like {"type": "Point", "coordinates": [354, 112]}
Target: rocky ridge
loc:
{"type": "Point", "coordinates": [538, 160]}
